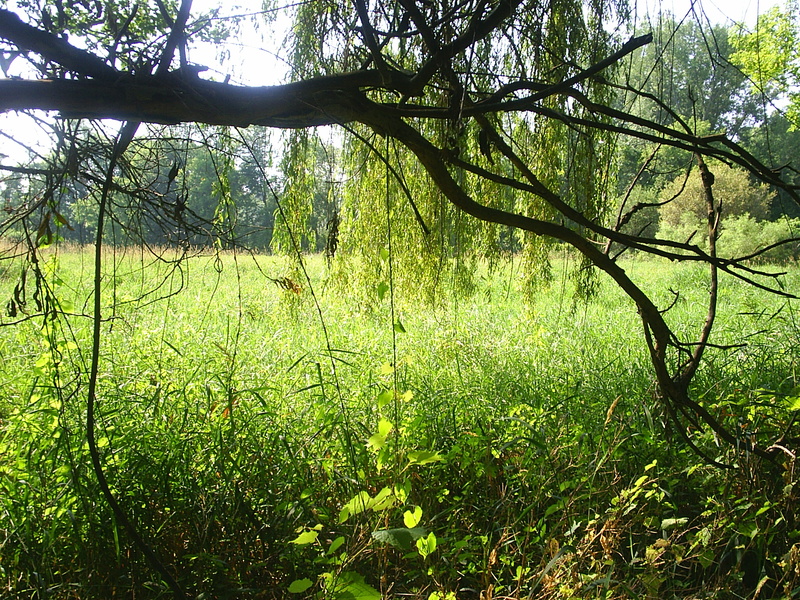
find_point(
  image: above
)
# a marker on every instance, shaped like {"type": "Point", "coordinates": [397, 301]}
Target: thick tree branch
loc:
{"type": "Point", "coordinates": [431, 159]}
{"type": "Point", "coordinates": [171, 100]}
{"type": "Point", "coordinates": [53, 48]}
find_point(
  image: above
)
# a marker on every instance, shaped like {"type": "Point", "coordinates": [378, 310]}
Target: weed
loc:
{"type": "Point", "coordinates": [500, 450]}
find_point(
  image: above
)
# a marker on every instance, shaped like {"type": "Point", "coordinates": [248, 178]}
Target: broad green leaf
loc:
{"type": "Point", "coordinates": [300, 585]}
{"type": "Point", "coordinates": [748, 529]}
{"type": "Point", "coordinates": [336, 544]}
{"type": "Point", "coordinates": [307, 537]}
{"type": "Point", "coordinates": [412, 519]}
{"type": "Point", "coordinates": [398, 326]}
{"type": "Point", "coordinates": [385, 397]}
{"type": "Point", "coordinates": [351, 586]}
{"type": "Point", "coordinates": [553, 508]}
{"type": "Point", "coordinates": [399, 537]}
{"type": "Point", "coordinates": [376, 441]}
{"type": "Point", "coordinates": [673, 523]}
{"type": "Point", "coordinates": [385, 426]}
{"type": "Point", "coordinates": [358, 504]}
{"type": "Point", "coordinates": [383, 287]}
{"type": "Point", "coordinates": [426, 545]}
{"type": "Point", "coordinates": [423, 457]}
{"type": "Point", "coordinates": [386, 369]}
{"type": "Point", "coordinates": [383, 500]}
{"type": "Point", "coordinates": [707, 557]}
{"type": "Point", "coordinates": [401, 491]}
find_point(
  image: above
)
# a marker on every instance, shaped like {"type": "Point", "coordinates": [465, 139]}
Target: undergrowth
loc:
{"type": "Point", "coordinates": [482, 448]}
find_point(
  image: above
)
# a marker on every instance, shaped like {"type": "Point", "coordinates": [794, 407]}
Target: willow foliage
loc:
{"type": "Point", "coordinates": [387, 197]}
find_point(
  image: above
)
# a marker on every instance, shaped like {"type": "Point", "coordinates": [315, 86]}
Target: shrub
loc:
{"type": "Point", "coordinates": [741, 236]}
{"type": "Point", "coordinates": [733, 188]}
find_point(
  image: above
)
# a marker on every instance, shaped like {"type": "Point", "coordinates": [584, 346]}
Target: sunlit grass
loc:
{"type": "Point", "coordinates": [228, 425]}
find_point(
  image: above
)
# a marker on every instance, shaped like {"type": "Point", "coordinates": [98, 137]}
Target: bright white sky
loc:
{"type": "Point", "coordinates": [253, 60]}
{"type": "Point", "coordinates": [719, 12]}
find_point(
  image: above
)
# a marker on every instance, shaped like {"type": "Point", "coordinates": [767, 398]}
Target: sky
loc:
{"type": "Point", "coordinates": [721, 12]}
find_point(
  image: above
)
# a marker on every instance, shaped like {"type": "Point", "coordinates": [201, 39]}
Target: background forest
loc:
{"type": "Point", "coordinates": [482, 299]}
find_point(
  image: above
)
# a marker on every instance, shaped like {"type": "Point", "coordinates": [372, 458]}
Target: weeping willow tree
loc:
{"type": "Point", "coordinates": [469, 128]}
{"type": "Point", "coordinates": [440, 66]}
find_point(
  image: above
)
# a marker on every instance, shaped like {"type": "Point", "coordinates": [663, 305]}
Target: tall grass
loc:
{"type": "Point", "coordinates": [528, 435]}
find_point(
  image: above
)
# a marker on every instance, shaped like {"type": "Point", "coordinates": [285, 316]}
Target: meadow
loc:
{"type": "Point", "coordinates": [269, 442]}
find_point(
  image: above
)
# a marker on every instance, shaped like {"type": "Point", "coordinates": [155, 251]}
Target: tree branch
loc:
{"type": "Point", "coordinates": [53, 48]}
{"type": "Point", "coordinates": [167, 100]}
{"type": "Point", "coordinates": [176, 36]}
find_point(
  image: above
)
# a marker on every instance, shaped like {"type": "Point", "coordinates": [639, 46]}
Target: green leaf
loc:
{"type": "Point", "coordinates": [376, 441]}
{"type": "Point", "coordinates": [386, 369]}
{"type": "Point", "coordinates": [357, 504]}
{"type": "Point", "coordinates": [300, 585]}
{"type": "Point", "coordinates": [412, 519]}
{"type": "Point", "coordinates": [351, 586]}
{"type": "Point", "coordinates": [401, 492]}
{"type": "Point", "coordinates": [748, 529]}
{"type": "Point", "coordinates": [707, 557]}
{"type": "Point", "coordinates": [307, 537]}
{"type": "Point", "coordinates": [398, 327]}
{"type": "Point", "coordinates": [385, 397]}
{"type": "Point", "coordinates": [336, 544]}
{"type": "Point", "coordinates": [383, 287]}
{"type": "Point", "coordinates": [423, 457]}
{"type": "Point", "coordinates": [384, 254]}
{"type": "Point", "coordinates": [426, 545]}
{"type": "Point", "coordinates": [399, 537]}
{"type": "Point", "coordinates": [554, 508]}
{"type": "Point", "coordinates": [385, 427]}
{"type": "Point", "coordinates": [383, 500]}
{"type": "Point", "coordinates": [673, 523]}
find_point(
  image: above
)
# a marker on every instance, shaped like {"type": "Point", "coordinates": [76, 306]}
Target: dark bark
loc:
{"type": "Point", "coordinates": [175, 98]}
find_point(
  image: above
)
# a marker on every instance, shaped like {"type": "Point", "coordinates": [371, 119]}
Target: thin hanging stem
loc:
{"type": "Point", "coordinates": [328, 346]}
{"type": "Point", "coordinates": [390, 261]}
{"type": "Point", "coordinates": [123, 141]}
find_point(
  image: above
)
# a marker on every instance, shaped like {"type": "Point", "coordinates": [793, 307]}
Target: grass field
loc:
{"type": "Point", "coordinates": [482, 448]}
